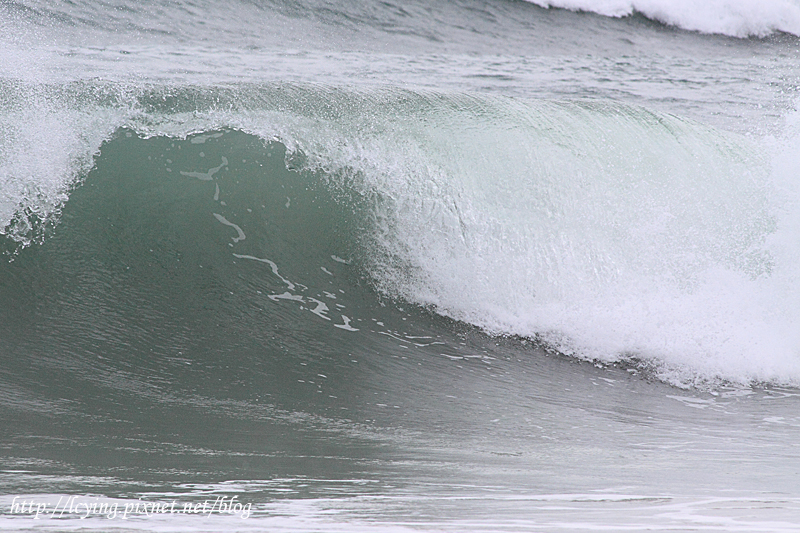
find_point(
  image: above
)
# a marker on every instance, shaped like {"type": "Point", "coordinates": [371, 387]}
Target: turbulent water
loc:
{"type": "Point", "coordinates": [364, 266]}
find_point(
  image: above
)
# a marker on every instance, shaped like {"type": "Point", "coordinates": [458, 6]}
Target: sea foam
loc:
{"type": "Point", "coordinates": [610, 232]}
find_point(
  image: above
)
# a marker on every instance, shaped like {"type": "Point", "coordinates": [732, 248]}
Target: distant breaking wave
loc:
{"type": "Point", "coordinates": [736, 18]}
{"type": "Point", "coordinates": [168, 20]}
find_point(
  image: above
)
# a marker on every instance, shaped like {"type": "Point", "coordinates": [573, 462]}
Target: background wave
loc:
{"type": "Point", "coordinates": [417, 24]}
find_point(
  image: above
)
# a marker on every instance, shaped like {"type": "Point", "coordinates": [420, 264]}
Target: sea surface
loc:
{"type": "Point", "coordinates": [420, 266]}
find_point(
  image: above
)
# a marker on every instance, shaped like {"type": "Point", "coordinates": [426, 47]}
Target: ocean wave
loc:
{"type": "Point", "coordinates": [607, 231]}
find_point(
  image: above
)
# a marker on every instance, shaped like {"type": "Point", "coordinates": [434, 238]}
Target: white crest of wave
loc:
{"type": "Point", "coordinates": [608, 231]}
{"type": "Point", "coordinates": [737, 18]}
{"type": "Point", "coordinates": [47, 139]}
{"type": "Point", "coordinates": [46, 147]}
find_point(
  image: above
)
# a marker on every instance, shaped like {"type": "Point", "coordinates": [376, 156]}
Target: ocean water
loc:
{"type": "Point", "coordinates": [311, 265]}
